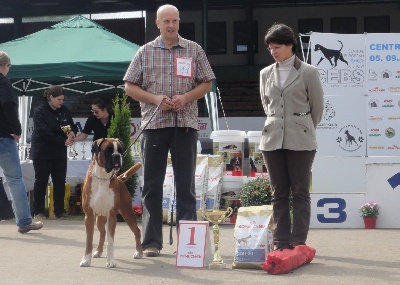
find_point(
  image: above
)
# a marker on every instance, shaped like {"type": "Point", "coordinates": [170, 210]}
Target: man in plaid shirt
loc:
{"type": "Point", "coordinates": [170, 73]}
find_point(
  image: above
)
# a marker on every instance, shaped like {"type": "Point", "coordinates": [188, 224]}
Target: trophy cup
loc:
{"type": "Point", "coordinates": [83, 150]}
{"type": "Point", "coordinates": [216, 217]}
{"type": "Point", "coordinates": [72, 152]}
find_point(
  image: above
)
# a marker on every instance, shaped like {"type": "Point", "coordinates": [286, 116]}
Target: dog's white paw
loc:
{"type": "Point", "coordinates": [111, 264]}
{"type": "Point", "coordinates": [137, 255]}
{"type": "Point", "coordinates": [85, 262]}
{"type": "Point", "coordinates": [97, 254]}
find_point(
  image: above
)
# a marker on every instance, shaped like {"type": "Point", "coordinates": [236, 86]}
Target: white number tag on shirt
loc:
{"type": "Point", "coordinates": [184, 67]}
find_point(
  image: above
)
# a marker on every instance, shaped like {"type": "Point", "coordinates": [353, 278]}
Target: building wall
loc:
{"type": "Point", "coordinates": [267, 16]}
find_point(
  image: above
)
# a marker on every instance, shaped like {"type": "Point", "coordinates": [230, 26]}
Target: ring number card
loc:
{"type": "Point", "coordinates": [184, 67]}
{"type": "Point", "coordinates": [194, 249]}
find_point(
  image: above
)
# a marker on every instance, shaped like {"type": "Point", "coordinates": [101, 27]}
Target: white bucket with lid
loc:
{"type": "Point", "coordinates": [232, 186]}
{"type": "Point", "coordinates": [230, 144]}
{"type": "Point", "coordinates": [257, 166]}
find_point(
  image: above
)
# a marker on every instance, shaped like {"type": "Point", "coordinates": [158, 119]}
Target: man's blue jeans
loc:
{"type": "Point", "coordinates": [10, 163]}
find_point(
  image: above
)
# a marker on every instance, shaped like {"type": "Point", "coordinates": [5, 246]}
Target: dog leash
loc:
{"type": "Point", "coordinates": [145, 126]}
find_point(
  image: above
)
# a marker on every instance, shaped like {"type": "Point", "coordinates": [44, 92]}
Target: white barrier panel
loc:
{"type": "Point", "coordinates": [342, 128]}
{"type": "Point", "coordinates": [383, 187]}
{"type": "Point", "coordinates": [338, 175]}
{"type": "Point", "coordinates": [336, 210]}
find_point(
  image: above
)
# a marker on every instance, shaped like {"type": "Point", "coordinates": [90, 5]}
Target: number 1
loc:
{"type": "Point", "coordinates": [191, 239]}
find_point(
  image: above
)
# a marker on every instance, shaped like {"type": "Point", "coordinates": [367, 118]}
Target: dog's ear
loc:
{"type": "Point", "coordinates": [122, 145]}
{"type": "Point", "coordinates": [95, 147]}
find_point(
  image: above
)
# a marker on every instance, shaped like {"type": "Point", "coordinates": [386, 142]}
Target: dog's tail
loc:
{"type": "Point", "coordinates": [125, 176]}
{"type": "Point", "coordinates": [341, 46]}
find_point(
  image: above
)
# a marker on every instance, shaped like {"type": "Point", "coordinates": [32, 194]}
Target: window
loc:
{"type": "Point", "coordinates": [216, 38]}
{"type": "Point", "coordinates": [6, 32]}
{"type": "Point", "coordinates": [310, 25]}
{"type": "Point", "coordinates": [344, 25]}
{"type": "Point", "coordinates": [187, 31]}
{"type": "Point", "coordinates": [242, 37]}
{"type": "Point", "coordinates": [378, 24]}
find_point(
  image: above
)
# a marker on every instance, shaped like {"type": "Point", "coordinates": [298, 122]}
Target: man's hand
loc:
{"type": "Point", "coordinates": [164, 102]}
{"type": "Point", "coordinates": [179, 101]}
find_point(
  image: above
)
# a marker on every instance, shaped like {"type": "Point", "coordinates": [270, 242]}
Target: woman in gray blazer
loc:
{"type": "Point", "coordinates": [292, 98]}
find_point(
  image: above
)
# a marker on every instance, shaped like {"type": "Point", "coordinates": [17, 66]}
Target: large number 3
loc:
{"type": "Point", "coordinates": [340, 205]}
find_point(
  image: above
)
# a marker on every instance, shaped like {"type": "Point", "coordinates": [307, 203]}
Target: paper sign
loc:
{"type": "Point", "coordinates": [194, 249]}
{"type": "Point", "coordinates": [184, 67]}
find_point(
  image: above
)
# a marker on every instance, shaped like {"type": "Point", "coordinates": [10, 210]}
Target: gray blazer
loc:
{"type": "Point", "coordinates": [292, 112]}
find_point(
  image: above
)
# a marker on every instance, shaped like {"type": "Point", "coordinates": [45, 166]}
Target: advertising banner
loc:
{"type": "Point", "coordinates": [383, 125]}
{"type": "Point", "coordinates": [340, 59]}
{"type": "Point", "coordinates": [383, 64]}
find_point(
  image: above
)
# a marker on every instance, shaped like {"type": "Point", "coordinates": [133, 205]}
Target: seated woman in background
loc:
{"type": "Point", "coordinates": [98, 123]}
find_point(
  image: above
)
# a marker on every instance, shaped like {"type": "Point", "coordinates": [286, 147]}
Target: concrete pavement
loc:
{"type": "Point", "coordinates": [52, 256]}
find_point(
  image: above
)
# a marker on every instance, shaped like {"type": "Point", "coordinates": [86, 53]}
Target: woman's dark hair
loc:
{"type": "Point", "coordinates": [54, 91]}
{"type": "Point", "coordinates": [102, 104]}
{"type": "Point", "coordinates": [281, 34]}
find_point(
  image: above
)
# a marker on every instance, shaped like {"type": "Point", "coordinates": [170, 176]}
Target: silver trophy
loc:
{"type": "Point", "coordinates": [72, 152]}
{"type": "Point", "coordinates": [83, 150]}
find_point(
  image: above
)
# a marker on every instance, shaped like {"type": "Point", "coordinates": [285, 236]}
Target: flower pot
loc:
{"type": "Point", "coordinates": [370, 222]}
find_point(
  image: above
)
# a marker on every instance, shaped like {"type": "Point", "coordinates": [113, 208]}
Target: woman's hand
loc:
{"type": "Point", "coordinates": [16, 137]}
{"type": "Point", "coordinates": [69, 142]}
{"type": "Point", "coordinates": [71, 135]}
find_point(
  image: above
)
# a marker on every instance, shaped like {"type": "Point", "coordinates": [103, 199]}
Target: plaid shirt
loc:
{"type": "Point", "coordinates": [154, 69]}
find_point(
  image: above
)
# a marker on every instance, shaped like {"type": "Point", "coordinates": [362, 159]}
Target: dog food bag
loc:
{"type": "Point", "coordinates": [215, 172]}
{"type": "Point", "coordinates": [168, 193]}
{"type": "Point", "coordinates": [253, 237]}
{"type": "Point", "coordinates": [167, 201]}
{"type": "Point", "coordinates": [201, 182]}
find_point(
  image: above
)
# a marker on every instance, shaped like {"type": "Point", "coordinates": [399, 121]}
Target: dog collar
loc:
{"type": "Point", "coordinates": [104, 179]}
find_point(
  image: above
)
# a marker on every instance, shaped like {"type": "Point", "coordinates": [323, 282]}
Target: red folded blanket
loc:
{"type": "Point", "coordinates": [279, 262]}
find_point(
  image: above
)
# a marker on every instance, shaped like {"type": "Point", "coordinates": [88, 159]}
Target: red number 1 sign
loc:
{"type": "Point", "coordinates": [194, 249]}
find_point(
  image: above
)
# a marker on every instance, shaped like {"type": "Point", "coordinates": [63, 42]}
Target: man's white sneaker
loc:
{"type": "Point", "coordinates": [151, 252]}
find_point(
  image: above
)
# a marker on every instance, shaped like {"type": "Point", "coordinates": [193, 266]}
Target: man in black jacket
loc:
{"type": "Point", "coordinates": [10, 133]}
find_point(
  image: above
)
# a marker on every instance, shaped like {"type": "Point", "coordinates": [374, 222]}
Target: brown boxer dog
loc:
{"type": "Point", "coordinates": [105, 194]}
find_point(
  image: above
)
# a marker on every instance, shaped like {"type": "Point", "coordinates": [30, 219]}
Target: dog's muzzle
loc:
{"type": "Point", "coordinates": [113, 162]}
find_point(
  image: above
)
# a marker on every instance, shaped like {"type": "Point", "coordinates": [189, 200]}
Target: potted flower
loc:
{"type": "Point", "coordinates": [369, 211]}
{"type": "Point", "coordinates": [256, 192]}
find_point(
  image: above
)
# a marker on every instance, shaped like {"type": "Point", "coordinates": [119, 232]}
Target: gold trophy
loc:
{"type": "Point", "coordinates": [216, 217]}
{"type": "Point", "coordinates": [72, 152]}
